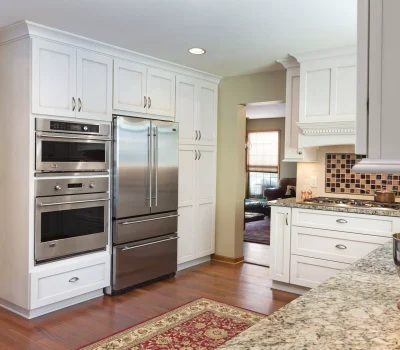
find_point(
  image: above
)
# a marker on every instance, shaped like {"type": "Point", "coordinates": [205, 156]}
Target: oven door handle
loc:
{"type": "Point", "coordinates": [89, 137]}
{"type": "Point", "coordinates": [75, 202]}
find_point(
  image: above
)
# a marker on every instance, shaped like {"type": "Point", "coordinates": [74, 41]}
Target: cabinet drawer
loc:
{"type": "Point", "coordinates": [357, 223]}
{"type": "Point", "coordinates": [54, 285]}
{"type": "Point", "coordinates": [309, 272]}
{"type": "Point", "coordinates": [337, 246]}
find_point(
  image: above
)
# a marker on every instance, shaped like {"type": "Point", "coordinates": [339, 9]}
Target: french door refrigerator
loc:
{"type": "Point", "coordinates": [145, 200]}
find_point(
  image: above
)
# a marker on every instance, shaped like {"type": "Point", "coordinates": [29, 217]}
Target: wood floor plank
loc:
{"type": "Point", "coordinates": [242, 285]}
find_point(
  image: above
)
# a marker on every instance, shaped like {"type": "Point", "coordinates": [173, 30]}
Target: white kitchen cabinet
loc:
{"type": "Point", "coordinates": [328, 90]}
{"type": "Point", "coordinates": [53, 78]}
{"type": "Point", "coordinates": [94, 86]}
{"type": "Point", "coordinates": [69, 82]}
{"type": "Point", "coordinates": [161, 93]}
{"type": "Point", "coordinates": [377, 121]}
{"type": "Point", "coordinates": [292, 131]}
{"type": "Point", "coordinates": [130, 86]}
{"type": "Point", "coordinates": [280, 244]}
{"type": "Point", "coordinates": [206, 123]}
{"type": "Point", "coordinates": [196, 223]}
{"type": "Point", "coordinates": [196, 111]}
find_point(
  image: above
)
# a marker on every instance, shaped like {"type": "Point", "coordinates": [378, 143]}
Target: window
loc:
{"type": "Point", "coordinates": [262, 161]}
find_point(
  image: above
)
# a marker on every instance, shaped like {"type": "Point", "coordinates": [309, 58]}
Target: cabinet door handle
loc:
{"type": "Point", "coordinates": [149, 102]}
{"type": "Point", "coordinates": [74, 279]}
{"type": "Point", "coordinates": [73, 104]}
{"type": "Point", "coordinates": [287, 221]}
{"type": "Point", "coordinates": [340, 246]}
{"type": "Point", "coordinates": [145, 101]}
{"type": "Point", "coordinates": [195, 152]}
{"type": "Point", "coordinates": [79, 104]}
{"type": "Point", "coordinates": [197, 135]}
{"type": "Point", "coordinates": [341, 221]}
{"type": "Point", "coordinates": [199, 155]}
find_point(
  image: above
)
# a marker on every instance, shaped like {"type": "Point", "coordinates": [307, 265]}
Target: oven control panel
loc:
{"type": "Point", "coordinates": [76, 127]}
{"type": "Point", "coordinates": [69, 186]}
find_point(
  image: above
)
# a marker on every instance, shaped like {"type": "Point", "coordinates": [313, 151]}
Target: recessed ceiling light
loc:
{"type": "Point", "coordinates": [197, 51]}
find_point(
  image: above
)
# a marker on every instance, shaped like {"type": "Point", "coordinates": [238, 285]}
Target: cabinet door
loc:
{"type": "Point", "coordinates": [53, 78]}
{"type": "Point", "coordinates": [94, 86]}
{"type": "Point", "coordinates": [206, 178]}
{"type": "Point", "coordinates": [280, 244]}
{"type": "Point", "coordinates": [186, 108]}
{"type": "Point", "coordinates": [292, 130]}
{"type": "Point", "coordinates": [207, 115]}
{"type": "Point", "coordinates": [130, 86]}
{"type": "Point", "coordinates": [187, 205]}
{"type": "Point", "coordinates": [161, 92]}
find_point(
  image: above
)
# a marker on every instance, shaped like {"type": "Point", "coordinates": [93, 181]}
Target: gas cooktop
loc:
{"type": "Point", "coordinates": [352, 203]}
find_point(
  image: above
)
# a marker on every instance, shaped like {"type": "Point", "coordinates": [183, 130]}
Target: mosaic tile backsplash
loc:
{"type": "Point", "coordinates": [339, 178]}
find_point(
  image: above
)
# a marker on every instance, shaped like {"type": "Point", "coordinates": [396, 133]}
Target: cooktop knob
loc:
{"type": "Point", "coordinates": [92, 185]}
{"type": "Point", "coordinates": [57, 187]}
{"type": "Point", "coordinates": [85, 128]}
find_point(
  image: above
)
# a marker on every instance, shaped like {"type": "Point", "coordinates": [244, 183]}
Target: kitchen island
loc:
{"type": "Point", "coordinates": [356, 309]}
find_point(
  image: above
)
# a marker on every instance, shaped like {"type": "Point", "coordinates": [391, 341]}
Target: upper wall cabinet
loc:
{"type": "Point", "coordinates": [142, 89]}
{"type": "Point", "coordinates": [292, 131]}
{"type": "Point", "coordinates": [328, 92]}
{"type": "Point", "coordinates": [378, 82]}
{"type": "Point", "coordinates": [69, 82]}
{"type": "Point", "coordinates": [196, 111]}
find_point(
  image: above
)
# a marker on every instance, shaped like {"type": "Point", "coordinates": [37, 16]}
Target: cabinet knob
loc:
{"type": "Point", "coordinates": [74, 279]}
{"type": "Point", "coordinates": [300, 152]}
{"type": "Point", "coordinates": [340, 246]}
{"type": "Point", "coordinates": [341, 221]}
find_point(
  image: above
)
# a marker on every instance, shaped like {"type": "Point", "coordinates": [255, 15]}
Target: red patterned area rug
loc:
{"type": "Point", "coordinates": [202, 324]}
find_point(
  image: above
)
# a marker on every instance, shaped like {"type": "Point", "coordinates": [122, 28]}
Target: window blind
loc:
{"type": "Point", "coordinates": [263, 151]}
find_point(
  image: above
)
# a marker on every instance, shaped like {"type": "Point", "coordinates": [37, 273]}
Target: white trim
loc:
{"type": "Point", "coordinates": [290, 288]}
{"type": "Point", "coordinates": [328, 128]}
{"type": "Point", "coordinates": [29, 314]}
{"type": "Point", "coordinates": [289, 62]}
{"type": "Point", "coordinates": [321, 54]}
{"type": "Point", "coordinates": [195, 262]}
{"type": "Point", "coordinates": [34, 30]}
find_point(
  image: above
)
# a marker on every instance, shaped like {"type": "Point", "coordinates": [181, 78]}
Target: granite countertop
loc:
{"type": "Point", "coordinates": [356, 309]}
{"type": "Point", "coordinates": [293, 203]}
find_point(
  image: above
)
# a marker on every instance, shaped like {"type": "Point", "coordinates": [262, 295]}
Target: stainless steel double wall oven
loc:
{"type": "Point", "coordinates": [71, 188]}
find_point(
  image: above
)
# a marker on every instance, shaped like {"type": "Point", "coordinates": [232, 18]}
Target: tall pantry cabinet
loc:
{"type": "Point", "coordinates": [196, 112]}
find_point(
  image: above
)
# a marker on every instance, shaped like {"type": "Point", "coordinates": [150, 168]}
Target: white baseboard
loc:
{"type": "Point", "coordinates": [193, 262]}
{"type": "Point", "coordinates": [50, 308]}
{"type": "Point", "coordinates": [291, 288]}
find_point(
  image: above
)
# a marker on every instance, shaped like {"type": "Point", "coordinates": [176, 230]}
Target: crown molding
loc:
{"type": "Point", "coordinates": [328, 128]}
{"type": "Point", "coordinates": [27, 29]}
{"type": "Point", "coordinates": [322, 54]}
{"type": "Point", "coordinates": [289, 62]}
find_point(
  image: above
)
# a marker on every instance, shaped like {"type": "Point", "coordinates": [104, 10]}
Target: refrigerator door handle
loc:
{"type": "Point", "coordinates": [149, 163]}
{"type": "Point", "coordinates": [156, 164]}
{"type": "Point", "coordinates": [147, 220]}
{"type": "Point", "coordinates": [146, 244]}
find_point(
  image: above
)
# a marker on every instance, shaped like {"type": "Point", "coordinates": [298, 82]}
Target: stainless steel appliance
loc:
{"type": "Point", "coordinates": [71, 216]}
{"type": "Point", "coordinates": [72, 146]}
{"type": "Point", "coordinates": [145, 200]}
{"type": "Point", "coordinates": [352, 203]}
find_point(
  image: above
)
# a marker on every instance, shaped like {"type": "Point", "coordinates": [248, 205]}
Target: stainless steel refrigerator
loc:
{"type": "Point", "coordinates": [145, 200]}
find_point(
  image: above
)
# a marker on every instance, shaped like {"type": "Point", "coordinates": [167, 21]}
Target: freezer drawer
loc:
{"type": "Point", "coordinates": [144, 227]}
{"type": "Point", "coordinates": [143, 261]}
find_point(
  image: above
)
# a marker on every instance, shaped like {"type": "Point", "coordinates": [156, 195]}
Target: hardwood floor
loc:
{"type": "Point", "coordinates": [255, 253]}
{"type": "Point", "coordinates": [243, 285]}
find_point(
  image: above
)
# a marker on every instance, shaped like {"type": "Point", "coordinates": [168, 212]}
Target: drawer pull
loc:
{"type": "Point", "coordinates": [341, 221]}
{"type": "Point", "coordinates": [73, 279]}
{"type": "Point", "coordinates": [340, 246]}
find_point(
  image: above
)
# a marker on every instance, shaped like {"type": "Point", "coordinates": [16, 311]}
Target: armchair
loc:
{"type": "Point", "coordinates": [278, 192]}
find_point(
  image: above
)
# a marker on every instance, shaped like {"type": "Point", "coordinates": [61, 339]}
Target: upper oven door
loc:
{"type": "Point", "coordinates": [66, 225]}
{"type": "Point", "coordinates": [66, 152]}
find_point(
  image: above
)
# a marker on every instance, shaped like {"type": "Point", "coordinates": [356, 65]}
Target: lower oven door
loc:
{"type": "Point", "coordinates": [144, 261]}
{"type": "Point", "coordinates": [64, 152]}
{"type": "Point", "coordinates": [67, 225]}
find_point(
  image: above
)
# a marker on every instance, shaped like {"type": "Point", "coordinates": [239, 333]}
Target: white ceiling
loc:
{"type": "Point", "coordinates": [240, 36]}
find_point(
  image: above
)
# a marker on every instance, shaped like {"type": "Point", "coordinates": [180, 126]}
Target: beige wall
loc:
{"type": "Point", "coordinates": [286, 169]}
{"type": "Point", "coordinates": [231, 175]}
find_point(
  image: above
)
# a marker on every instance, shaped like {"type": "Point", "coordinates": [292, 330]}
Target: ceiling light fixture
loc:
{"type": "Point", "coordinates": [197, 51]}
